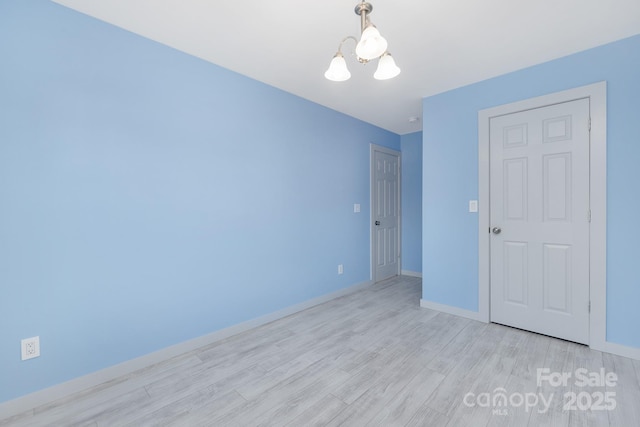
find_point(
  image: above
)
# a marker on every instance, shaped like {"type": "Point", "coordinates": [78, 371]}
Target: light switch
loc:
{"type": "Point", "coordinates": [473, 206]}
{"type": "Point", "coordinates": [356, 207]}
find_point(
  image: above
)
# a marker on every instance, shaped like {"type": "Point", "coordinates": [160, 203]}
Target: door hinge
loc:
{"type": "Point", "coordinates": [589, 307]}
{"type": "Point", "coordinates": [589, 215]}
{"type": "Point", "coordinates": [589, 123]}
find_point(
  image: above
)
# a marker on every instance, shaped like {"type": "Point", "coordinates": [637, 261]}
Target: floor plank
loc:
{"type": "Point", "coordinates": [400, 410]}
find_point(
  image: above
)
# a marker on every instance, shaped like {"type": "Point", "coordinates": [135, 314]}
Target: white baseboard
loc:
{"type": "Point", "coordinates": [51, 394]}
{"type": "Point", "coordinates": [411, 273]}
{"type": "Point", "coordinates": [473, 315]}
{"type": "Point", "coordinates": [622, 350]}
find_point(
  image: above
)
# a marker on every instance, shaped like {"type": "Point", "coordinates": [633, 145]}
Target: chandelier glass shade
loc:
{"type": "Point", "coordinates": [371, 45]}
{"type": "Point", "coordinates": [387, 68]}
{"type": "Point", "coordinates": [338, 71]}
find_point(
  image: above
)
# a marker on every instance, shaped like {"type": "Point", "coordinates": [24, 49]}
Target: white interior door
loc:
{"type": "Point", "coordinates": [539, 216]}
{"type": "Point", "coordinates": [385, 213]}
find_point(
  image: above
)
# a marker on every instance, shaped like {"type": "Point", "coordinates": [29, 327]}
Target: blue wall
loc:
{"type": "Point", "coordinates": [450, 178]}
{"type": "Point", "coordinates": [149, 197]}
{"type": "Point", "coordinates": [411, 145]}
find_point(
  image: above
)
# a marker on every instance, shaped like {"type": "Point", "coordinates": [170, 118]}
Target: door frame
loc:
{"type": "Point", "coordinates": [597, 95]}
{"type": "Point", "coordinates": [373, 148]}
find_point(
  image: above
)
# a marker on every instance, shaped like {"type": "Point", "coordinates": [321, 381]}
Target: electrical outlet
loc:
{"type": "Point", "coordinates": [30, 348]}
{"type": "Point", "coordinates": [340, 269]}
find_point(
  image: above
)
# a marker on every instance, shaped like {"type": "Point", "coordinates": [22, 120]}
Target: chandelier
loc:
{"type": "Point", "coordinates": [371, 46]}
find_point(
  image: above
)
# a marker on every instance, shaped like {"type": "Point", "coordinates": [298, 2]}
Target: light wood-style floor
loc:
{"type": "Point", "coordinates": [370, 358]}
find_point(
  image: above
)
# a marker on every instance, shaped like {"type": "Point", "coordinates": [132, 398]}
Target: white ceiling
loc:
{"type": "Point", "coordinates": [438, 44]}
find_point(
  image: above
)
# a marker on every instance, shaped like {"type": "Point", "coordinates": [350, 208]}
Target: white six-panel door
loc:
{"type": "Point", "coordinates": [385, 212]}
{"type": "Point", "coordinates": [539, 216]}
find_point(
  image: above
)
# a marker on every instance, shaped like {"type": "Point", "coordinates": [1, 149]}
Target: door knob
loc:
{"type": "Point", "coordinates": [377, 222]}
{"type": "Point", "coordinates": [497, 230]}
